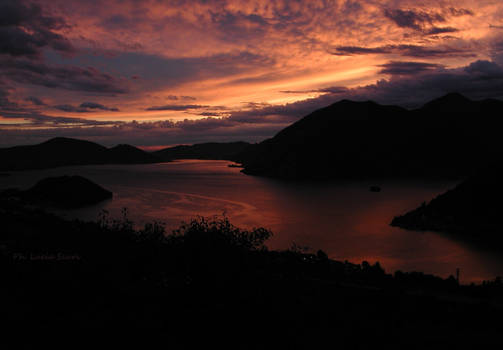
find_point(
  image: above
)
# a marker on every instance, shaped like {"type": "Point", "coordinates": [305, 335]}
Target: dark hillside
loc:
{"type": "Point", "coordinates": [472, 210]}
{"type": "Point", "coordinates": [218, 151]}
{"type": "Point", "coordinates": [448, 137]}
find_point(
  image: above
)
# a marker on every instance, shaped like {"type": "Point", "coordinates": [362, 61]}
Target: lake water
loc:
{"type": "Point", "coordinates": [344, 219]}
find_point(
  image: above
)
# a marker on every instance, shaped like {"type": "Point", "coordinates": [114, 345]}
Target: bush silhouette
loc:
{"type": "Point", "coordinates": [218, 233]}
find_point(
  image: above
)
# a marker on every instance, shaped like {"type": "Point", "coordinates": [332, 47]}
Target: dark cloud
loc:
{"type": "Point", "coordinates": [256, 105]}
{"type": "Point", "coordinates": [176, 98]}
{"type": "Point", "coordinates": [48, 121]}
{"type": "Point", "coordinates": [210, 114]}
{"type": "Point", "coordinates": [12, 110]}
{"type": "Point", "coordinates": [458, 12]}
{"type": "Point", "coordinates": [71, 109]}
{"type": "Point", "coordinates": [93, 105]}
{"type": "Point", "coordinates": [485, 70]}
{"type": "Point", "coordinates": [358, 50]}
{"type": "Point", "coordinates": [413, 19]}
{"type": "Point", "coordinates": [296, 91]}
{"type": "Point", "coordinates": [334, 90]}
{"type": "Point", "coordinates": [5, 102]}
{"type": "Point", "coordinates": [425, 51]}
{"type": "Point", "coordinates": [404, 50]}
{"type": "Point", "coordinates": [35, 100]}
{"type": "Point", "coordinates": [175, 107]}
{"type": "Point", "coordinates": [425, 22]}
{"type": "Point", "coordinates": [408, 68]}
{"type": "Point", "coordinates": [331, 89]}
{"type": "Point", "coordinates": [25, 30]}
{"type": "Point", "coordinates": [441, 30]}
{"type": "Point", "coordinates": [73, 78]}
{"type": "Point", "coordinates": [85, 107]}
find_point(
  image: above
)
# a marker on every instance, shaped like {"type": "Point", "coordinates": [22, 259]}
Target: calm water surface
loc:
{"type": "Point", "coordinates": [344, 219]}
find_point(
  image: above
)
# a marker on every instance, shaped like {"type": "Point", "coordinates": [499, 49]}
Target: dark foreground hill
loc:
{"type": "Point", "coordinates": [62, 151]}
{"type": "Point", "coordinates": [66, 192]}
{"type": "Point", "coordinates": [211, 150]}
{"type": "Point", "coordinates": [211, 277]}
{"type": "Point", "coordinates": [472, 210]}
{"type": "Point", "coordinates": [450, 136]}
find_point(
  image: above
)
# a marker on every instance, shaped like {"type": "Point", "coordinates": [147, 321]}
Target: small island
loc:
{"type": "Point", "coordinates": [65, 192]}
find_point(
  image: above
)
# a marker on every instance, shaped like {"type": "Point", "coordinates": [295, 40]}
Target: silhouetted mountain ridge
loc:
{"type": "Point", "coordinates": [210, 150]}
{"type": "Point", "coordinates": [128, 154]}
{"type": "Point", "coordinates": [449, 136]}
{"type": "Point", "coordinates": [452, 100]}
{"type": "Point", "coordinates": [61, 151]}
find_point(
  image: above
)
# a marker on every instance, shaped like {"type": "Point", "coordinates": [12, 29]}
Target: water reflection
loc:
{"type": "Point", "coordinates": [345, 219]}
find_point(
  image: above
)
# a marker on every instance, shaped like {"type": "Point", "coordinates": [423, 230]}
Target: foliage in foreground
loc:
{"type": "Point", "coordinates": [215, 231]}
{"type": "Point", "coordinates": [207, 232]}
{"type": "Point", "coordinates": [109, 273]}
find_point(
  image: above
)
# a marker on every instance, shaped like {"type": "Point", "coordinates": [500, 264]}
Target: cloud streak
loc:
{"type": "Point", "coordinates": [87, 79]}
{"type": "Point", "coordinates": [399, 68]}
{"type": "Point", "coordinates": [406, 51]}
{"type": "Point", "coordinates": [426, 22]}
{"type": "Point", "coordinates": [85, 107]}
{"type": "Point", "coordinates": [175, 107]}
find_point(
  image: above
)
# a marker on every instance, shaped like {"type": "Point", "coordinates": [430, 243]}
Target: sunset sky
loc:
{"type": "Point", "coordinates": [152, 73]}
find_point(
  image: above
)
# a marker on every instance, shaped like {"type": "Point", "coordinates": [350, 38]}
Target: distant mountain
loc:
{"type": "Point", "coordinates": [62, 192]}
{"type": "Point", "coordinates": [450, 136]}
{"type": "Point", "coordinates": [62, 151]}
{"type": "Point", "coordinates": [127, 154]}
{"type": "Point", "coordinates": [473, 209]}
{"type": "Point", "coordinates": [221, 151]}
